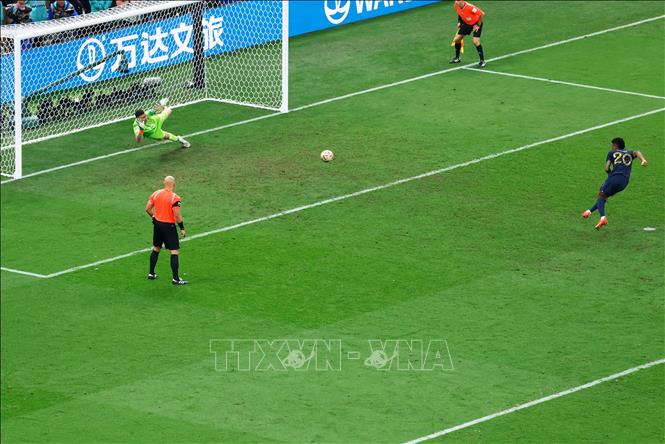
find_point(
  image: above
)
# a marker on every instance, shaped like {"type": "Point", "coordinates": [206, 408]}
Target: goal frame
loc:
{"type": "Point", "coordinates": [22, 32]}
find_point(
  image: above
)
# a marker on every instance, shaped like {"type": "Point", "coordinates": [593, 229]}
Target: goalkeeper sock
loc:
{"type": "Point", "coordinates": [481, 54]}
{"type": "Point", "coordinates": [174, 266]}
{"type": "Point", "coordinates": [458, 47]}
{"type": "Point", "coordinates": [174, 138]}
{"type": "Point", "coordinates": [153, 261]}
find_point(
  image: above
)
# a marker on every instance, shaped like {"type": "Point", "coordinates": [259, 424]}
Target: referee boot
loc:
{"type": "Point", "coordinates": [179, 281]}
{"type": "Point", "coordinates": [455, 60]}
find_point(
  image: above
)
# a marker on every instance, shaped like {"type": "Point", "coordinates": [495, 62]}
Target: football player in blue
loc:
{"type": "Point", "coordinates": [617, 166]}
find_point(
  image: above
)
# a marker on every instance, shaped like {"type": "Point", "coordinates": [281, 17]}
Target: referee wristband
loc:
{"type": "Point", "coordinates": [181, 225]}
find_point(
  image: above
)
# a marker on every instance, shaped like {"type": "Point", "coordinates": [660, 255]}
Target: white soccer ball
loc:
{"type": "Point", "coordinates": [327, 155]}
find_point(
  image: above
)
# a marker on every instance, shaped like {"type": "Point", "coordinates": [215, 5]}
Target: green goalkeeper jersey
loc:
{"type": "Point", "coordinates": [152, 124]}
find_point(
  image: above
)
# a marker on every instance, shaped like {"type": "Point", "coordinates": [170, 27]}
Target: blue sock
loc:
{"type": "Point", "coordinates": [600, 203]}
{"type": "Point", "coordinates": [594, 207]}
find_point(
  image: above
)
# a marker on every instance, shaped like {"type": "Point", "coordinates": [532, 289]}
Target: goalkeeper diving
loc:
{"type": "Point", "coordinates": [149, 124]}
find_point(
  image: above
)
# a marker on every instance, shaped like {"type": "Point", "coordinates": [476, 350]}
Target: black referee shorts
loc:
{"type": "Point", "coordinates": [465, 29]}
{"type": "Point", "coordinates": [164, 233]}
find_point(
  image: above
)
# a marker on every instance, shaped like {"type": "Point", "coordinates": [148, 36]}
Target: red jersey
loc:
{"type": "Point", "coordinates": [469, 13]}
{"type": "Point", "coordinates": [164, 200]}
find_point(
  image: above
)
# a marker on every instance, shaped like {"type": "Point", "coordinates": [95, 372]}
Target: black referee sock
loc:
{"type": "Point", "coordinates": [481, 54]}
{"type": "Point", "coordinates": [174, 266]}
{"type": "Point", "coordinates": [153, 260]}
{"type": "Point", "coordinates": [458, 47]}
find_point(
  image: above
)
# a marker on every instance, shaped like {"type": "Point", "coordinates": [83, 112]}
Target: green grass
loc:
{"type": "Point", "coordinates": [492, 257]}
{"type": "Point", "coordinates": [570, 420]}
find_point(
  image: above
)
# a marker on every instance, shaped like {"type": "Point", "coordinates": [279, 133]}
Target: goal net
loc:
{"type": "Point", "coordinates": [68, 75]}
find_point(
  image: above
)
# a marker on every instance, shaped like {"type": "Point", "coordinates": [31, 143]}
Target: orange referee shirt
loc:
{"type": "Point", "coordinates": [164, 200]}
{"type": "Point", "coordinates": [469, 13]}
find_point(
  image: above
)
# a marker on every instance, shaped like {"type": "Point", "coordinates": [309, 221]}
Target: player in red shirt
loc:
{"type": "Point", "coordinates": [164, 208]}
{"type": "Point", "coordinates": [469, 19]}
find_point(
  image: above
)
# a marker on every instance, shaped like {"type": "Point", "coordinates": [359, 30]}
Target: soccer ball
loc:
{"type": "Point", "coordinates": [327, 155]}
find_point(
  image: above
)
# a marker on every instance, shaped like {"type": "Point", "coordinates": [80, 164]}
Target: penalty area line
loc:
{"type": "Point", "coordinates": [342, 97]}
{"type": "Point", "coordinates": [368, 190]}
{"type": "Point", "coordinates": [24, 273]}
{"type": "Point", "coordinates": [560, 82]}
{"type": "Point", "coordinates": [537, 401]}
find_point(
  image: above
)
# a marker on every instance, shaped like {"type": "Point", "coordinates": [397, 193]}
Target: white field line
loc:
{"type": "Point", "coordinates": [537, 401]}
{"type": "Point", "coordinates": [560, 82]}
{"type": "Point", "coordinates": [25, 273]}
{"type": "Point", "coordinates": [342, 97]}
{"type": "Point", "coordinates": [89, 127]}
{"type": "Point", "coordinates": [138, 148]}
{"type": "Point", "coordinates": [364, 191]}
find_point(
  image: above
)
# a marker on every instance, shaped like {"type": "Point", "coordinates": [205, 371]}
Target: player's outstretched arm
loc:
{"type": "Point", "coordinates": [138, 128]}
{"type": "Point", "coordinates": [640, 156]}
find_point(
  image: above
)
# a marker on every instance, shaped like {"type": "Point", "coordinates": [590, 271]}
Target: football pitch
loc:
{"type": "Point", "coordinates": [449, 220]}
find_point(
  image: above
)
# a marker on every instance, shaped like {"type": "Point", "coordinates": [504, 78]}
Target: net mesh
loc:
{"type": "Point", "coordinates": [91, 70]}
{"type": "Point", "coordinates": [7, 141]}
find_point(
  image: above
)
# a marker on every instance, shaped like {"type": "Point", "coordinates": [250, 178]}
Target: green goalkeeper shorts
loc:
{"type": "Point", "coordinates": [157, 133]}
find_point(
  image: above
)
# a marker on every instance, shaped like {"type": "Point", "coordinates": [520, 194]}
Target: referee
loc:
{"type": "Point", "coordinates": [469, 20]}
{"type": "Point", "coordinates": [164, 208]}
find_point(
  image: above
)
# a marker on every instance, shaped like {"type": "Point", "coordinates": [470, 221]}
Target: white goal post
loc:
{"type": "Point", "coordinates": [64, 76]}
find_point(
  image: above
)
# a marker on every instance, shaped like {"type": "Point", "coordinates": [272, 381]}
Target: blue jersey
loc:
{"type": "Point", "coordinates": [621, 162]}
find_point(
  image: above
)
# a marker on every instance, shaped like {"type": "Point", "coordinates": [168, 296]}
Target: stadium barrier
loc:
{"type": "Point", "coordinates": [310, 16]}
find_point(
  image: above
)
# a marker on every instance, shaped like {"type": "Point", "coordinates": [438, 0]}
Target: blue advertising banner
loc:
{"type": "Point", "coordinates": [169, 41]}
{"type": "Point", "coordinates": [147, 47]}
{"type": "Point", "coordinates": [308, 16]}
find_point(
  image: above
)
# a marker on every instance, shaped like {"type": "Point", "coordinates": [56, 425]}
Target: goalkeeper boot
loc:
{"type": "Point", "coordinates": [455, 60]}
{"type": "Point", "coordinates": [601, 223]}
{"type": "Point", "coordinates": [184, 143]}
{"type": "Point", "coordinates": [179, 281]}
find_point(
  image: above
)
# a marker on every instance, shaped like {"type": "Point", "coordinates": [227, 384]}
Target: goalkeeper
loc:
{"type": "Point", "coordinates": [149, 124]}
